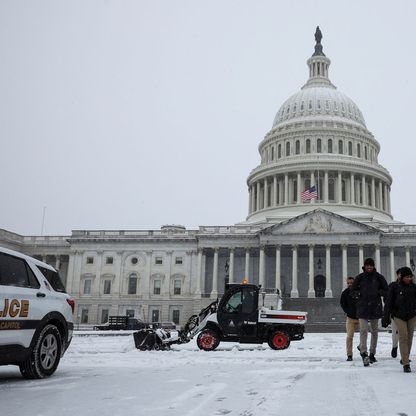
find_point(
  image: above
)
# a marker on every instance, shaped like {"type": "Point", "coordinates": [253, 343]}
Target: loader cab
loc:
{"type": "Point", "coordinates": [237, 313]}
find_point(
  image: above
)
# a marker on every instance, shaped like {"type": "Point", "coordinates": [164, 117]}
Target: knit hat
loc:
{"type": "Point", "coordinates": [405, 271]}
{"type": "Point", "coordinates": [369, 262]}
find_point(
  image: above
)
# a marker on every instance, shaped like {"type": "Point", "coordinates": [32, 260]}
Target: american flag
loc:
{"type": "Point", "coordinates": [309, 193]}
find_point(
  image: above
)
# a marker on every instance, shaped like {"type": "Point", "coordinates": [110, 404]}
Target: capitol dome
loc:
{"type": "Point", "coordinates": [319, 142]}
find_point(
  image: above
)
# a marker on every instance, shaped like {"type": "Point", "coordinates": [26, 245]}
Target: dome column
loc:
{"type": "Point", "coordinates": [274, 191]}
{"type": "Point", "coordinates": [385, 198]}
{"type": "Point", "coordinates": [364, 190]}
{"type": "Point", "coordinates": [311, 291]}
{"type": "Point", "coordinates": [380, 196]}
{"type": "Point", "coordinates": [339, 188]}
{"type": "Point", "coordinates": [328, 290]}
{"type": "Point", "coordinates": [326, 187]}
{"type": "Point", "coordinates": [313, 200]}
{"type": "Point", "coordinates": [352, 183]}
{"type": "Point", "coordinates": [373, 193]}
{"type": "Point", "coordinates": [258, 197]}
{"type": "Point", "coordinates": [299, 188]}
{"type": "Point", "coordinates": [294, 292]}
{"type": "Point", "coordinates": [286, 188]}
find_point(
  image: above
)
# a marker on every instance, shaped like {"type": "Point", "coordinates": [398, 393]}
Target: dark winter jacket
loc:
{"type": "Point", "coordinates": [349, 303]}
{"type": "Point", "coordinates": [401, 301]}
{"type": "Point", "coordinates": [369, 288]}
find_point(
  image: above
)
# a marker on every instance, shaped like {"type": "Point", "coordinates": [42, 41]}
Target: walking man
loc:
{"type": "Point", "coordinates": [401, 304]}
{"type": "Point", "coordinates": [349, 306]}
{"type": "Point", "coordinates": [394, 330]}
{"type": "Point", "coordinates": [369, 287]}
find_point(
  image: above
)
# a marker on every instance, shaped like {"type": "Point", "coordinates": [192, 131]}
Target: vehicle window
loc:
{"type": "Point", "coordinates": [248, 304]}
{"type": "Point", "coordinates": [234, 303]}
{"type": "Point", "coordinates": [15, 272]}
{"type": "Point", "coordinates": [53, 278]}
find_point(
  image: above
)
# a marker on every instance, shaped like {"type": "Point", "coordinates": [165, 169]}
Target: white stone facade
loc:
{"type": "Point", "coordinates": [305, 249]}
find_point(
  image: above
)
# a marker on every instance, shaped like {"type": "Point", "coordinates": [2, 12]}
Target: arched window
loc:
{"type": "Point", "coordinates": [365, 153]}
{"type": "Point", "coordinates": [297, 147]}
{"type": "Point", "coordinates": [340, 147]}
{"type": "Point", "coordinates": [319, 146]}
{"type": "Point", "coordinates": [350, 148]}
{"type": "Point", "coordinates": [308, 145]}
{"type": "Point", "coordinates": [329, 145]}
{"type": "Point", "coordinates": [279, 151]}
{"type": "Point", "coordinates": [272, 152]}
{"type": "Point", "coordinates": [358, 150]}
{"type": "Point", "coordinates": [287, 148]}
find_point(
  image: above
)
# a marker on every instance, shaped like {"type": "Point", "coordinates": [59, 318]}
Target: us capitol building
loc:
{"type": "Point", "coordinates": [306, 248]}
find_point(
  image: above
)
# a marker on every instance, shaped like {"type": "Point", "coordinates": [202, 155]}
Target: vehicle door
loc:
{"type": "Point", "coordinates": [21, 301]}
{"type": "Point", "coordinates": [237, 313]}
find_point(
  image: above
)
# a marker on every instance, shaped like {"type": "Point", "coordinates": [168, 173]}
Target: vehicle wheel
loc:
{"type": "Point", "coordinates": [279, 340]}
{"type": "Point", "coordinates": [208, 340]}
{"type": "Point", "coordinates": [45, 356]}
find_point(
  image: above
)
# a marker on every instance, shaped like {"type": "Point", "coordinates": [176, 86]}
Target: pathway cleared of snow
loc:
{"type": "Point", "coordinates": [102, 376]}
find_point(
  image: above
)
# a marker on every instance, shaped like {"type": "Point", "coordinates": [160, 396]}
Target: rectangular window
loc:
{"type": "Point", "coordinates": [158, 260]}
{"type": "Point", "coordinates": [177, 287]}
{"type": "Point", "coordinates": [130, 313]}
{"type": "Point", "coordinates": [87, 286]}
{"type": "Point", "coordinates": [155, 315]}
{"type": "Point", "coordinates": [132, 290]}
{"type": "Point", "coordinates": [84, 316]}
{"type": "Point", "coordinates": [90, 260]}
{"type": "Point", "coordinates": [156, 287]}
{"type": "Point", "coordinates": [175, 316]}
{"type": "Point", "coordinates": [178, 260]}
{"type": "Point", "coordinates": [107, 287]}
{"type": "Point", "coordinates": [104, 316]}
{"type": "Point", "coordinates": [109, 260]}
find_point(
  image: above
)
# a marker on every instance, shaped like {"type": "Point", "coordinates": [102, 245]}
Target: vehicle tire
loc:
{"type": "Point", "coordinates": [208, 340]}
{"type": "Point", "coordinates": [279, 340]}
{"type": "Point", "coordinates": [45, 356]}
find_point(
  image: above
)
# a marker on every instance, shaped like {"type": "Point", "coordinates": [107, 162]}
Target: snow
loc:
{"type": "Point", "coordinates": [106, 375]}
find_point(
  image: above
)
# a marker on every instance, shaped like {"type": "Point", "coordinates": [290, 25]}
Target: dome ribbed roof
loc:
{"type": "Point", "coordinates": [323, 102]}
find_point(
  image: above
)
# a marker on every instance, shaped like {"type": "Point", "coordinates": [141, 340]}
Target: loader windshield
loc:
{"type": "Point", "coordinates": [241, 302]}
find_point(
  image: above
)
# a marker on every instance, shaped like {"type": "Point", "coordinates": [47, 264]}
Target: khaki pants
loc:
{"type": "Point", "coordinates": [364, 332]}
{"type": "Point", "coordinates": [352, 326]}
{"type": "Point", "coordinates": [406, 329]}
{"type": "Point", "coordinates": [394, 334]}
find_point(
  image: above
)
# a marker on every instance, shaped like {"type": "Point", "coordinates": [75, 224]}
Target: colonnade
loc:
{"type": "Point", "coordinates": [333, 187]}
{"type": "Point", "coordinates": [294, 249]}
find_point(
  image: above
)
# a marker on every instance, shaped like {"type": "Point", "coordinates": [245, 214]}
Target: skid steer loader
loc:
{"type": "Point", "coordinates": [236, 317]}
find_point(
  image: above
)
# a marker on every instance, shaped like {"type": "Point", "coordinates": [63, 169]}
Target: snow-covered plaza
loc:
{"type": "Point", "coordinates": [106, 375]}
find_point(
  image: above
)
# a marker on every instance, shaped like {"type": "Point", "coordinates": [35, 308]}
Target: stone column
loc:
{"type": "Point", "coordinates": [198, 273]}
{"type": "Point", "coordinates": [352, 180]}
{"type": "Point", "coordinates": [97, 281]}
{"type": "Point", "coordinates": [408, 256]}
{"type": "Point", "coordinates": [57, 262]}
{"type": "Point", "coordinates": [70, 287]}
{"type": "Point", "coordinates": [377, 258]}
{"type": "Point", "coordinates": [299, 190]}
{"type": "Point", "coordinates": [326, 187]}
{"type": "Point", "coordinates": [274, 190]}
{"type": "Point", "coordinates": [265, 194]}
{"type": "Point", "coordinates": [392, 269]}
{"type": "Point", "coordinates": [214, 292]}
{"type": "Point", "coordinates": [258, 197]}
{"type": "Point", "coordinates": [286, 188]}
{"type": "Point", "coordinates": [364, 190]}
{"type": "Point", "coordinates": [231, 269]}
{"type": "Point", "coordinates": [250, 204]}
{"type": "Point", "coordinates": [339, 188]}
{"type": "Point", "coordinates": [360, 258]}
{"type": "Point", "coordinates": [380, 195]}
{"type": "Point", "coordinates": [262, 280]}
{"type": "Point", "coordinates": [344, 265]}
{"type": "Point", "coordinates": [294, 292]}
{"type": "Point", "coordinates": [247, 265]}
{"type": "Point", "coordinates": [373, 193]}
{"type": "Point", "coordinates": [385, 198]}
{"type": "Point", "coordinates": [328, 290]}
{"type": "Point", "coordinates": [311, 291]}
{"type": "Point", "coordinates": [166, 283]}
{"type": "Point", "coordinates": [278, 277]}
{"type": "Point", "coordinates": [253, 198]}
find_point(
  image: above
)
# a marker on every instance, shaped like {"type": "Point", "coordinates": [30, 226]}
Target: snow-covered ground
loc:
{"type": "Point", "coordinates": [106, 375]}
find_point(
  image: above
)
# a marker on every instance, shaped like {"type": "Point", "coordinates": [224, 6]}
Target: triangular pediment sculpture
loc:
{"type": "Point", "coordinates": [319, 221]}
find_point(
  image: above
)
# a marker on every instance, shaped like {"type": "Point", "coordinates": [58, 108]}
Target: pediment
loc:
{"type": "Point", "coordinates": [319, 221]}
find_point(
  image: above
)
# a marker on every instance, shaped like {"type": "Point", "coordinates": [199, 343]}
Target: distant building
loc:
{"type": "Point", "coordinates": [306, 247]}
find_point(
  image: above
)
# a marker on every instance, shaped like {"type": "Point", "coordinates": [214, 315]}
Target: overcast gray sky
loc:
{"type": "Point", "coordinates": [135, 114]}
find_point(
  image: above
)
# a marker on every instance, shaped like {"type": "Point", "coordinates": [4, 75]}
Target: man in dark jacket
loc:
{"type": "Point", "coordinates": [401, 304]}
{"type": "Point", "coordinates": [349, 306]}
{"type": "Point", "coordinates": [369, 287]}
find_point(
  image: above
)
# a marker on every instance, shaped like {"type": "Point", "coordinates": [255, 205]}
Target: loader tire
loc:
{"type": "Point", "coordinates": [279, 340]}
{"type": "Point", "coordinates": [208, 340]}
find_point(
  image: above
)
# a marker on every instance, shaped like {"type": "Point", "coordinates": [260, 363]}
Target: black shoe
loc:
{"type": "Point", "coordinates": [366, 360]}
{"type": "Point", "coordinates": [407, 369]}
{"type": "Point", "coordinates": [372, 359]}
{"type": "Point", "coordinates": [394, 352]}
{"type": "Point", "coordinates": [349, 358]}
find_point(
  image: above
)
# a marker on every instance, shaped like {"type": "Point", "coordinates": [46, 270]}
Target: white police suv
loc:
{"type": "Point", "coordinates": [36, 322]}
